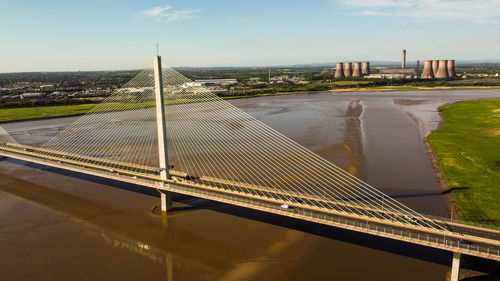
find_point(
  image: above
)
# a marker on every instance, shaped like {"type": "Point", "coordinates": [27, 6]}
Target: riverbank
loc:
{"type": "Point", "coordinates": [453, 207]}
{"type": "Point", "coordinates": [398, 88]}
{"type": "Point", "coordinates": [44, 112]}
{"type": "Point", "coordinates": [412, 88]}
{"type": "Point", "coordinates": [468, 149]}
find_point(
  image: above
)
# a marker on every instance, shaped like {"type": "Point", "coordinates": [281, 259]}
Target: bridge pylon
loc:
{"type": "Point", "coordinates": [166, 196]}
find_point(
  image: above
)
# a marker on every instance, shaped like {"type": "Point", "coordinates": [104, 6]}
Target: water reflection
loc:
{"type": "Point", "coordinates": [177, 267]}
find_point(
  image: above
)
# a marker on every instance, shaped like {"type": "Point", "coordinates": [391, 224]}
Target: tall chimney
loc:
{"type": "Point", "coordinates": [348, 69]}
{"type": "Point", "coordinates": [403, 63]}
{"type": "Point", "coordinates": [435, 66]}
{"type": "Point", "coordinates": [418, 66]}
{"type": "Point", "coordinates": [357, 69]}
{"type": "Point", "coordinates": [365, 70]}
{"type": "Point", "coordinates": [427, 72]}
{"type": "Point", "coordinates": [442, 70]}
{"type": "Point", "coordinates": [339, 72]}
{"type": "Point", "coordinates": [451, 68]}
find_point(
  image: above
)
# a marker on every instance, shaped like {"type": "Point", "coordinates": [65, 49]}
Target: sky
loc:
{"type": "Point", "coordinates": [62, 35]}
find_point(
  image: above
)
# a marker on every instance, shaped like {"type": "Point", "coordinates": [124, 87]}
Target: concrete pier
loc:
{"type": "Point", "coordinates": [166, 200]}
{"type": "Point", "coordinates": [455, 267]}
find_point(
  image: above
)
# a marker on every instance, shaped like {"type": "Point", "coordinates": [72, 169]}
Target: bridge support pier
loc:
{"type": "Point", "coordinates": [166, 200]}
{"type": "Point", "coordinates": [455, 267]}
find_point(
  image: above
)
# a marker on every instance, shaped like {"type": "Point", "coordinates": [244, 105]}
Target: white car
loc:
{"type": "Point", "coordinates": [412, 220]}
{"type": "Point", "coordinates": [284, 206]}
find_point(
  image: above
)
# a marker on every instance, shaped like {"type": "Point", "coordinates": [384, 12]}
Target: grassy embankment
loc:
{"type": "Point", "coordinates": [468, 147]}
{"type": "Point", "coordinates": [40, 112]}
{"type": "Point", "coordinates": [23, 113]}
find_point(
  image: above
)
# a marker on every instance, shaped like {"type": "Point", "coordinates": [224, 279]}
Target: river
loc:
{"type": "Point", "coordinates": [60, 225]}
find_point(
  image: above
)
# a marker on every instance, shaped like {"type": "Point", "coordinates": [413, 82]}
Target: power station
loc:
{"type": "Point", "coordinates": [441, 69]}
{"type": "Point", "coordinates": [357, 70]}
{"type": "Point", "coordinates": [403, 63]}
{"type": "Point", "coordinates": [451, 68]}
{"type": "Point", "coordinates": [346, 70]}
{"type": "Point", "coordinates": [365, 70]}
{"type": "Point", "coordinates": [435, 65]}
{"type": "Point", "coordinates": [339, 72]}
{"type": "Point", "coordinates": [428, 71]}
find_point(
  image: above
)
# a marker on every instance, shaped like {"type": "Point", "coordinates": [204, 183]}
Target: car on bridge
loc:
{"type": "Point", "coordinates": [412, 220]}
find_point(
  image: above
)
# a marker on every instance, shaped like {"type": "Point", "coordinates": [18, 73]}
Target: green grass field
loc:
{"type": "Point", "coordinates": [468, 147]}
{"type": "Point", "coordinates": [23, 113]}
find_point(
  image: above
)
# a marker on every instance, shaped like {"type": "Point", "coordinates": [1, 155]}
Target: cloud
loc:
{"type": "Point", "coordinates": [167, 14]}
{"type": "Point", "coordinates": [370, 12]}
{"type": "Point", "coordinates": [404, 26]}
{"type": "Point", "coordinates": [477, 11]}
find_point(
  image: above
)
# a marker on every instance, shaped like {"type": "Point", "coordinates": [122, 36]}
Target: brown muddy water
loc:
{"type": "Point", "coordinates": [59, 225]}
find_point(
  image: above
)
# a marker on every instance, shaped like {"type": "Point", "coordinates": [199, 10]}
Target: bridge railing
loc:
{"type": "Point", "coordinates": [476, 224]}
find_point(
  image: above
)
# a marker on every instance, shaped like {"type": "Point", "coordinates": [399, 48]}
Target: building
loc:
{"type": "Point", "coordinates": [285, 78]}
{"type": "Point", "coordinates": [58, 94]}
{"type": "Point", "coordinates": [279, 79]}
{"type": "Point", "coordinates": [32, 96]}
{"type": "Point", "coordinates": [216, 82]}
{"type": "Point", "coordinates": [46, 87]}
{"type": "Point", "coordinates": [254, 80]}
{"type": "Point", "coordinates": [394, 73]}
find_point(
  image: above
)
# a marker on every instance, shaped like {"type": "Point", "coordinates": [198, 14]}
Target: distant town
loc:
{"type": "Point", "coordinates": [55, 88]}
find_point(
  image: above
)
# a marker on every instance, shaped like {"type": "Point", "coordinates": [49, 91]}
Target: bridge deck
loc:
{"type": "Point", "coordinates": [462, 238]}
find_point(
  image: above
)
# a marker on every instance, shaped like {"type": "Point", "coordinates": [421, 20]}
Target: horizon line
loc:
{"type": "Point", "coordinates": [312, 64]}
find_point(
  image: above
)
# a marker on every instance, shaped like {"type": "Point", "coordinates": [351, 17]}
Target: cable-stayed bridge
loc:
{"type": "Point", "coordinates": [163, 131]}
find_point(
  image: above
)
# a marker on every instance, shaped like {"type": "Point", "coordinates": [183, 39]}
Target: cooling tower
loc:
{"type": "Point", "coordinates": [348, 69]}
{"type": "Point", "coordinates": [435, 65]}
{"type": "Point", "coordinates": [403, 63]}
{"type": "Point", "coordinates": [339, 72]}
{"type": "Point", "coordinates": [357, 70]}
{"type": "Point", "coordinates": [451, 68]}
{"type": "Point", "coordinates": [427, 72]}
{"type": "Point", "coordinates": [442, 70]}
{"type": "Point", "coordinates": [365, 70]}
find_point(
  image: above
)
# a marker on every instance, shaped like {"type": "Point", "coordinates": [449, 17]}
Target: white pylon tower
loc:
{"type": "Point", "coordinates": [166, 196]}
